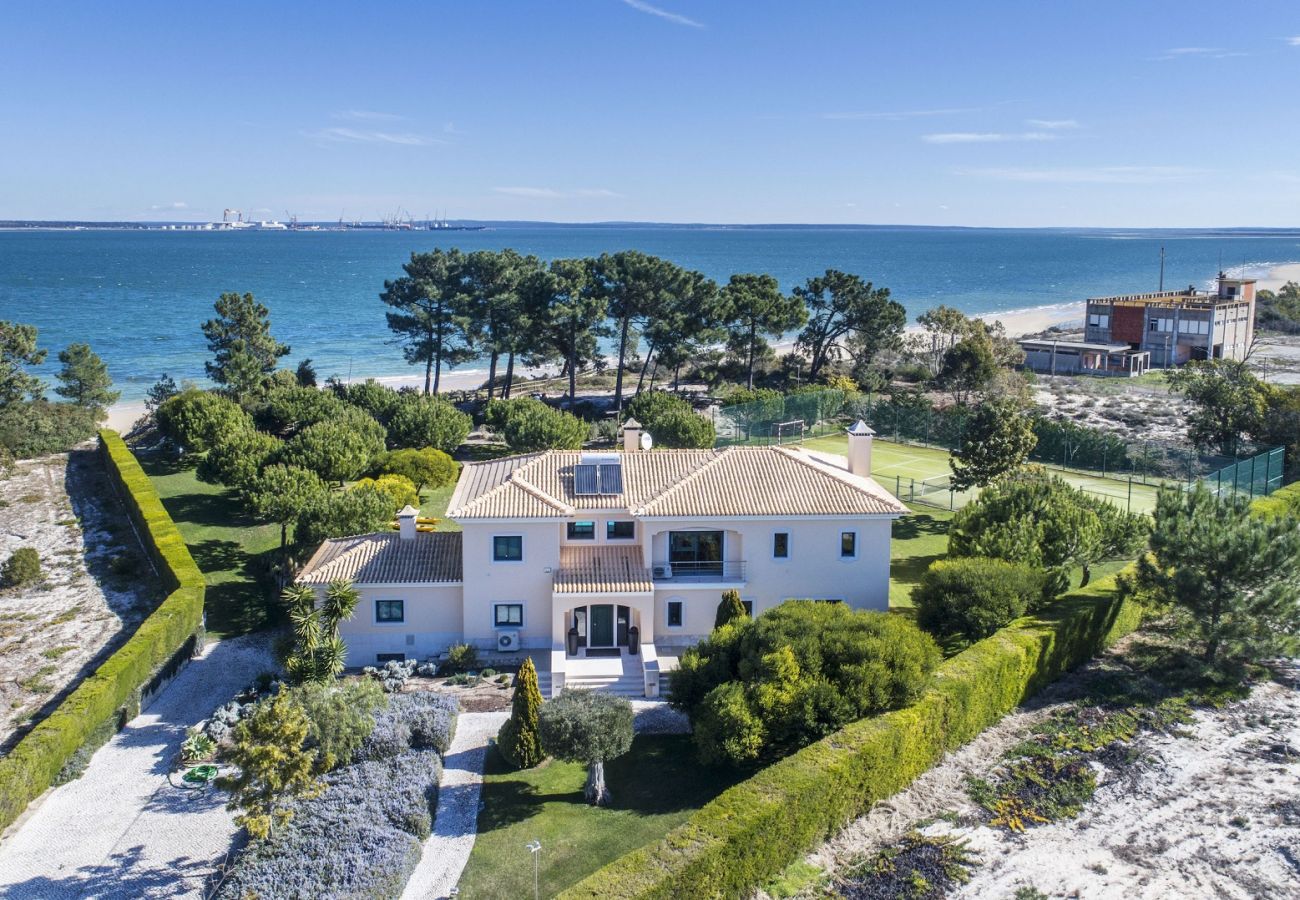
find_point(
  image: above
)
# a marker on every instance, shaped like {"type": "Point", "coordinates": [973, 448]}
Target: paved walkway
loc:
{"type": "Point", "coordinates": [120, 830]}
{"type": "Point", "coordinates": [456, 823]}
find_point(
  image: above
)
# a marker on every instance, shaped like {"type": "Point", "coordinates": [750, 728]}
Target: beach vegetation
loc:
{"type": "Point", "coordinates": [998, 438]}
{"type": "Point", "coordinates": [588, 727]}
{"type": "Point", "coordinates": [967, 368]}
{"type": "Point", "coordinates": [23, 567]}
{"type": "Point", "coordinates": [17, 351]}
{"type": "Point", "coordinates": [84, 380]}
{"type": "Point", "coordinates": [305, 373]}
{"type": "Point", "coordinates": [1230, 579]}
{"type": "Point", "coordinates": [757, 690]}
{"type": "Point", "coordinates": [160, 392]}
{"type": "Point", "coordinates": [244, 353]}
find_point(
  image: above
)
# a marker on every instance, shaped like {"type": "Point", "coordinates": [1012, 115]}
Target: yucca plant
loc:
{"type": "Point", "coordinates": [318, 653]}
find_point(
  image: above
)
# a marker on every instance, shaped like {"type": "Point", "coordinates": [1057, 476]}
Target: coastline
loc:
{"type": "Point", "coordinates": [122, 415]}
{"type": "Point", "coordinates": [1278, 276]}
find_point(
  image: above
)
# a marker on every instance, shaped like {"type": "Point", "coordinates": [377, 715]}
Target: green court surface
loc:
{"type": "Point", "coordinates": [917, 474]}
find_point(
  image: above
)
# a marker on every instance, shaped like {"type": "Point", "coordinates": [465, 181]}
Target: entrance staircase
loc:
{"type": "Point", "coordinates": [622, 675]}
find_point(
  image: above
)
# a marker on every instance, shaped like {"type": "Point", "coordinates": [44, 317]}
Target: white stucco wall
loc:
{"type": "Point", "coordinates": [432, 623]}
{"type": "Point", "coordinates": [528, 582]}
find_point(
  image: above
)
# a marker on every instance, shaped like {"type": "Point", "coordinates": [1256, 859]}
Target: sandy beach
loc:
{"type": "Point", "coordinates": [1278, 276]}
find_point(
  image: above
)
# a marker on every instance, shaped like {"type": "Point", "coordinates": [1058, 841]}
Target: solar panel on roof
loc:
{"type": "Point", "coordinates": [611, 479]}
{"type": "Point", "coordinates": [586, 479]}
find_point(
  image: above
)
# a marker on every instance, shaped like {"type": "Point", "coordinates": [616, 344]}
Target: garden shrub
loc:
{"type": "Point", "coordinates": [360, 838]}
{"type": "Point", "coordinates": [21, 568]}
{"type": "Point", "coordinates": [195, 420]}
{"type": "Point", "coordinates": [795, 674]}
{"type": "Point", "coordinates": [461, 658]}
{"type": "Point", "coordinates": [683, 430]}
{"type": "Point", "coordinates": [399, 489]}
{"type": "Point", "coordinates": [36, 760]}
{"type": "Point", "coordinates": [341, 716]}
{"type": "Point", "coordinates": [518, 740]}
{"type": "Point", "coordinates": [974, 596]}
{"type": "Point", "coordinates": [39, 428]}
{"type": "Point", "coordinates": [532, 425]}
{"type": "Point", "coordinates": [426, 467]}
{"type": "Point", "coordinates": [424, 720]}
{"type": "Point", "coordinates": [752, 831]}
{"type": "Point", "coordinates": [419, 421]}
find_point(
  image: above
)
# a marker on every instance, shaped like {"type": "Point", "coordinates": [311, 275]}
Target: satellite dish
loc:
{"type": "Point", "coordinates": [646, 441]}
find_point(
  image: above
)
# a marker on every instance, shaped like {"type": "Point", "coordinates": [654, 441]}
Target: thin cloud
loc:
{"type": "Point", "coordinates": [664, 14]}
{"type": "Point", "coordinates": [176, 205]}
{"type": "Point", "coordinates": [899, 115]}
{"type": "Point", "coordinates": [367, 115]}
{"type": "Point", "coordinates": [1199, 53]}
{"type": "Point", "coordinates": [541, 193]}
{"type": "Point", "coordinates": [341, 135]}
{"type": "Point", "coordinates": [1294, 41]}
{"type": "Point", "coordinates": [1053, 124]}
{"type": "Point", "coordinates": [986, 137]}
{"type": "Point", "coordinates": [1089, 175]}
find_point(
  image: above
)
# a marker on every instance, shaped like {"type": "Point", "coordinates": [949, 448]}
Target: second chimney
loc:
{"type": "Point", "coordinates": [860, 436]}
{"type": "Point", "coordinates": [631, 435]}
{"type": "Point", "coordinates": [406, 522]}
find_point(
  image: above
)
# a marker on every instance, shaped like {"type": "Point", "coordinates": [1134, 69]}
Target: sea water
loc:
{"type": "Point", "coordinates": [138, 297]}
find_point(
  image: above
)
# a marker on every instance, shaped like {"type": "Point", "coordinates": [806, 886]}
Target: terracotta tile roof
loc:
{"type": "Point", "coordinates": [737, 481]}
{"type": "Point", "coordinates": [590, 570]}
{"type": "Point", "coordinates": [384, 558]}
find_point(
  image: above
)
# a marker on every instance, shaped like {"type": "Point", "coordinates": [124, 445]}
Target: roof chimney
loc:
{"type": "Point", "coordinates": [631, 435]}
{"type": "Point", "coordinates": [860, 436]}
{"type": "Point", "coordinates": [406, 522]}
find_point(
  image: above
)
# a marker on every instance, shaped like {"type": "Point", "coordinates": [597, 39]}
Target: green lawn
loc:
{"type": "Point", "coordinates": [230, 548]}
{"type": "Point", "coordinates": [918, 540]}
{"type": "Point", "coordinates": [433, 503]}
{"type": "Point", "coordinates": [656, 786]}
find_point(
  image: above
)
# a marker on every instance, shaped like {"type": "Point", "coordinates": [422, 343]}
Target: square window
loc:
{"type": "Point", "coordinates": [390, 610]}
{"type": "Point", "coordinates": [582, 531]}
{"type": "Point", "coordinates": [506, 615]}
{"type": "Point", "coordinates": [620, 531]}
{"type": "Point", "coordinates": [848, 544]}
{"type": "Point", "coordinates": [675, 613]}
{"type": "Point", "coordinates": [781, 545]}
{"type": "Point", "coordinates": [507, 548]}
{"type": "Point", "coordinates": [382, 658]}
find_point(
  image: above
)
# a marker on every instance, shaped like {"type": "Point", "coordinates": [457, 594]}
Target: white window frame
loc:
{"type": "Point", "coordinates": [789, 548]}
{"type": "Point", "coordinates": [492, 549]}
{"type": "Point", "coordinates": [522, 614]}
{"type": "Point", "coordinates": [856, 545]}
{"type": "Point", "coordinates": [668, 616]}
{"type": "Point", "coordinates": [374, 611]}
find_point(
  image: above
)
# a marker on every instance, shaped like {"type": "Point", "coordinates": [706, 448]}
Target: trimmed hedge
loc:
{"type": "Point", "coordinates": [1285, 501]}
{"type": "Point", "coordinates": [752, 831]}
{"type": "Point", "coordinates": [113, 690]}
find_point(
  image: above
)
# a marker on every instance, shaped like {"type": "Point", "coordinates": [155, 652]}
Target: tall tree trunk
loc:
{"type": "Point", "coordinates": [1087, 576]}
{"type": "Point", "coordinates": [437, 375]}
{"type": "Point", "coordinates": [596, 790]}
{"type": "Point", "coordinates": [618, 377]}
{"type": "Point", "coordinates": [510, 375]}
{"type": "Point", "coordinates": [653, 374]}
{"type": "Point", "coordinates": [753, 327]}
{"type": "Point", "coordinates": [677, 376]}
{"type": "Point", "coordinates": [572, 361]}
{"type": "Point", "coordinates": [645, 365]}
{"type": "Point", "coordinates": [428, 373]}
{"type": "Point", "coordinates": [492, 374]}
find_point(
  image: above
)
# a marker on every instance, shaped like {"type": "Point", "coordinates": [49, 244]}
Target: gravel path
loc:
{"type": "Point", "coordinates": [121, 830]}
{"type": "Point", "coordinates": [456, 824]}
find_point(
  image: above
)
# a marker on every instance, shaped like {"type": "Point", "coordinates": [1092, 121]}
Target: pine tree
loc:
{"type": "Point", "coordinates": [1232, 578]}
{"type": "Point", "coordinates": [85, 379]}
{"type": "Point", "coordinates": [518, 739]}
{"type": "Point", "coordinates": [730, 609]}
{"type": "Point", "coordinates": [244, 352]}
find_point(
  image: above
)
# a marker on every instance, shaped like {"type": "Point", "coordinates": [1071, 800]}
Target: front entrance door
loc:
{"type": "Point", "coordinates": [600, 627]}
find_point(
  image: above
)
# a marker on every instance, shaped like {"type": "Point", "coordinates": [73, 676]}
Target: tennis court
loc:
{"type": "Point", "coordinates": [920, 474]}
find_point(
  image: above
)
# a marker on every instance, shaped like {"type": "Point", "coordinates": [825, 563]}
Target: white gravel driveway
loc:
{"type": "Point", "coordinates": [121, 830]}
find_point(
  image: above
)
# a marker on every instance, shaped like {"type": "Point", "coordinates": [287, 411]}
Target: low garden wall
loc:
{"type": "Point", "coordinates": [112, 692]}
{"type": "Point", "coordinates": [752, 831]}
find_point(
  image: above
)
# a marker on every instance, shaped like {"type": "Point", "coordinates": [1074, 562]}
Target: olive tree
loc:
{"type": "Point", "coordinates": [587, 727]}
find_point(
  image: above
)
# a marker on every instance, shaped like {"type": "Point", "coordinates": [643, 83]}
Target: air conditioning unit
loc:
{"type": "Point", "coordinates": [664, 571]}
{"type": "Point", "coordinates": [507, 641]}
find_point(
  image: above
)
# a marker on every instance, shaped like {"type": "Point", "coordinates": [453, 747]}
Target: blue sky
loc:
{"type": "Point", "coordinates": [1012, 113]}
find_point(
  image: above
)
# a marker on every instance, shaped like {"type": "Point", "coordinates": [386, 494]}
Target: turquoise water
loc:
{"type": "Point", "coordinates": [138, 296]}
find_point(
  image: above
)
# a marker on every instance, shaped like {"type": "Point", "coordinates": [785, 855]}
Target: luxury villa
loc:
{"type": "Point", "coordinates": [604, 566]}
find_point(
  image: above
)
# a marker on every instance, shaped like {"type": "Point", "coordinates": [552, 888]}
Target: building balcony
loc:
{"type": "Point", "coordinates": [695, 572]}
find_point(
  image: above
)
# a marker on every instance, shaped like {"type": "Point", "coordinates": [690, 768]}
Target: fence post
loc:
{"type": "Point", "coordinates": [1130, 495]}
